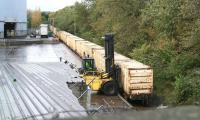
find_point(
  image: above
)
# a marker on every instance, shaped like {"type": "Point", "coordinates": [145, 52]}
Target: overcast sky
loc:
{"type": "Point", "coordinates": [49, 5]}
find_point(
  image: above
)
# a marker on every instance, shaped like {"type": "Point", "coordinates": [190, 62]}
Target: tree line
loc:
{"type": "Point", "coordinates": [164, 34]}
{"type": "Point", "coordinates": [37, 17]}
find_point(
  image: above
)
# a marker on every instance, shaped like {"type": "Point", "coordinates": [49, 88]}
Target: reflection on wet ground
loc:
{"type": "Point", "coordinates": [49, 53]}
{"type": "Point", "coordinates": [33, 82]}
{"type": "Point", "coordinates": [38, 53]}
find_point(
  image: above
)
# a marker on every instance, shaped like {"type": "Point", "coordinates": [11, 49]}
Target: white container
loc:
{"type": "Point", "coordinates": [99, 57]}
{"type": "Point", "coordinates": [136, 78]}
{"type": "Point", "coordinates": [44, 30]}
{"type": "Point", "coordinates": [89, 49]}
{"type": "Point", "coordinates": [80, 46]}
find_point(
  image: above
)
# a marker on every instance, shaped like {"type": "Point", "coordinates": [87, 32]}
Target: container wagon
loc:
{"type": "Point", "coordinates": [136, 78]}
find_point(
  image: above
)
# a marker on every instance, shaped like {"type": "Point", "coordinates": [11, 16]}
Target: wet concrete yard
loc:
{"type": "Point", "coordinates": [38, 53]}
{"type": "Point", "coordinates": [33, 86]}
{"type": "Point", "coordinates": [33, 82]}
{"type": "Point", "coordinates": [30, 71]}
{"type": "Point", "coordinates": [38, 91]}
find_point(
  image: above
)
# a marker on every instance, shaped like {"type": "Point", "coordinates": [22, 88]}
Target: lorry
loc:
{"type": "Point", "coordinates": [44, 30]}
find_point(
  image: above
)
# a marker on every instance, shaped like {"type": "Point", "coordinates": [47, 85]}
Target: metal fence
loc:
{"type": "Point", "coordinates": [1, 34]}
{"type": "Point", "coordinates": [13, 33]}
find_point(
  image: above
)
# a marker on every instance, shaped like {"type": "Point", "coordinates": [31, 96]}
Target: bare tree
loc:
{"type": "Point", "coordinates": [36, 18]}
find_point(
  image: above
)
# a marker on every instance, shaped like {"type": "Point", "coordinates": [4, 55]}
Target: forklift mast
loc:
{"type": "Point", "coordinates": [106, 83]}
{"type": "Point", "coordinates": [109, 54]}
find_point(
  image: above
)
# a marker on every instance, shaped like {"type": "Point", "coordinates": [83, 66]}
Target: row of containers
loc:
{"type": "Point", "coordinates": [136, 78]}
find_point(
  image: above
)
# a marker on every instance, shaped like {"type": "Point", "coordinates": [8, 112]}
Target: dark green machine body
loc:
{"type": "Point", "coordinates": [88, 64]}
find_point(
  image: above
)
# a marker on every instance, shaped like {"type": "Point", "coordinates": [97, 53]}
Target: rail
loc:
{"type": "Point", "coordinates": [88, 88]}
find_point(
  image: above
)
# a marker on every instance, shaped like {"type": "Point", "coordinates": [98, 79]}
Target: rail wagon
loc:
{"type": "Point", "coordinates": [136, 78]}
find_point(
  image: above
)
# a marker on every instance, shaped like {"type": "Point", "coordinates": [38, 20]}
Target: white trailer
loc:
{"type": "Point", "coordinates": [44, 30]}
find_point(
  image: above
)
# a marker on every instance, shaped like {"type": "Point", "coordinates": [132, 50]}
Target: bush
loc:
{"type": "Point", "coordinates": [187, 88]}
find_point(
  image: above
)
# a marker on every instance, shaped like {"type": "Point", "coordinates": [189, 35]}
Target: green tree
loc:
{"type": "Point", "coordinates": [162, 33]}
{"type": "Point", "coordinates": [172, 26]}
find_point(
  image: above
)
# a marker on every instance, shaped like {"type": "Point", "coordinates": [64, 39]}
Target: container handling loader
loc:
{"type": "Point", "coordinates": [104, 82]}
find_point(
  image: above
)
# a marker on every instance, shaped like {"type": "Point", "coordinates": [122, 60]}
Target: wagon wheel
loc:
{"type": "Point", "coordinates": [146, 100]}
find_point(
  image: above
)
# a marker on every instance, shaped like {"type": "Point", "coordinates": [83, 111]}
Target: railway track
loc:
{"type": "Point", "coordinates": [110, 102]}
{"type": "Point", "coordinates": [105, 104]}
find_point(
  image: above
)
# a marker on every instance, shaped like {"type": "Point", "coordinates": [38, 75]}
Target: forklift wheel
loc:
{"type": "Point", "coordinates": [110, 88]}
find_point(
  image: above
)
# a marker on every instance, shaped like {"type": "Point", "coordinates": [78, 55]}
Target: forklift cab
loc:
{"type": "Point", "coordinates": [88, 65]}
{"type": "Point", "coordinates": [90, 75]}
{"type": "Point", "coordinates": [107, 82]}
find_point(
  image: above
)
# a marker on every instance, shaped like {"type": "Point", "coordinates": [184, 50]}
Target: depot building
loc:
{"type": "Point", "coordinates": [13, 18]}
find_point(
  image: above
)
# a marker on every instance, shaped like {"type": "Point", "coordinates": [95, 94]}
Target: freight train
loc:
{"type": "Point", "coordinates": [136, 78]}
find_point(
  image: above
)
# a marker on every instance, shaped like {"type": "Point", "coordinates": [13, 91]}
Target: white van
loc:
{"type": "Point", "coordinates": [44, 30]}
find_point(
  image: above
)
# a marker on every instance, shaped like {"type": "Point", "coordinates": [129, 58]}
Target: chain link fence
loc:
{"type": "Point", "coordinates": [15, 33]}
